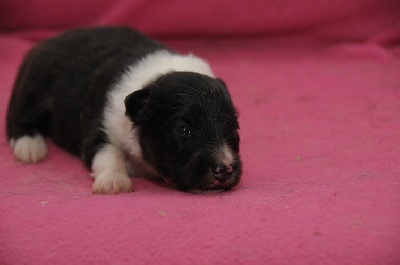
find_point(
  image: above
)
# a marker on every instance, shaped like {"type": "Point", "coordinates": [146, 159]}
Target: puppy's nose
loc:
{"type": "Point", "coordinates": [222, 172]}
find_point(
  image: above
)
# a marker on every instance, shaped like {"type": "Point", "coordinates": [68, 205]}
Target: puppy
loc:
{"type": "Point", "coordinates": [126, 104]}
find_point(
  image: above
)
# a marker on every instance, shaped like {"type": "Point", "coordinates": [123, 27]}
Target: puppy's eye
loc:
{"type": "Point", "coordinates": [183, 130]}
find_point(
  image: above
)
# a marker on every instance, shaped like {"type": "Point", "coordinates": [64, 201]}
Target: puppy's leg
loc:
{"type": "Point", "coordinates": [26, 121]}
{"type": "Point", "coordinates": [110, 172]}
{"type": "Point", "coordinates": [24, 132]}
{"type": "Point", "coordinates": [28, 114]}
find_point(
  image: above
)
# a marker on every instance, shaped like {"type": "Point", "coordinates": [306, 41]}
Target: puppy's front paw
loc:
{"type": "Point", "coordinates": [109, 172]}
{"type": "Point", "coordinates": [29, 149]}
{"type": "Point", "coordinates": [108, 183]}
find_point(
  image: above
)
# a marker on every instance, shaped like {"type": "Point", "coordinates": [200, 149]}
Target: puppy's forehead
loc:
{"type": "Point", "coordinates": [190, 84]}
{"type": "Point", "coordinates": [214, 112]}
{"type": "Point", "coordinates": [195, 97]}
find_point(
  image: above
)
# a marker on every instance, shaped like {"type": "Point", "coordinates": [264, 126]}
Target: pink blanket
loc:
{"type": "Point", "coordinates": [320, 123]}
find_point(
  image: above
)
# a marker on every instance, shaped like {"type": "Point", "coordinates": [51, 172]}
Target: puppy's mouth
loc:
{"type": "Point", "coordinates": [208, 184]}
{"type": "Point", "coordinates": [213, 188]}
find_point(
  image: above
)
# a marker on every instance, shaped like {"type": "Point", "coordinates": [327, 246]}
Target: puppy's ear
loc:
{"type": "Point", "coordinates": [223, 87]}
{"type": "Point", "coordinates": [138, 105]}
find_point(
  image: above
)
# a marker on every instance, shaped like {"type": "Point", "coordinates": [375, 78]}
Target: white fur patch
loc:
{"type": "Point", "coordinates": [225, 156]}
{"type": "Point", "coordinates": [117, 125]}
{"type": "Point", "coordinates": [29, 149]}
{"type": "Point", "coordinates": [110, 172]}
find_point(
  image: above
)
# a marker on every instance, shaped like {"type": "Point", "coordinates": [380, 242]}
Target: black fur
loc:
{"type": "Point", "coordinates": [61, 89]}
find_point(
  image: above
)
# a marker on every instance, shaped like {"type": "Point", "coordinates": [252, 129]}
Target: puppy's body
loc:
{"type": "Point", "coordinates": [114, 96]}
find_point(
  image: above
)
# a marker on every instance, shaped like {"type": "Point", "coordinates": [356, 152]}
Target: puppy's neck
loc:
{"type": "Point", "coordinates": [157, 64]}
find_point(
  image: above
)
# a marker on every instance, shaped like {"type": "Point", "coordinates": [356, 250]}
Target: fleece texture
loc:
{"type": "Point", "coordinates": [320, 121]}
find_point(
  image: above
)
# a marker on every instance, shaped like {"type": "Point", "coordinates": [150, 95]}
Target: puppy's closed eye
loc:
{"type": "Point", "coordinates": [183, 130]}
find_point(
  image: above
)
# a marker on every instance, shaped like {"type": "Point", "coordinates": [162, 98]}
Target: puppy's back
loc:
{"type": "Point", "coordinates": [61, 76]}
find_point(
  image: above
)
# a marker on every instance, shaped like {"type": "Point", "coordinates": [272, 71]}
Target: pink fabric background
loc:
{"type": "Point", "coordinates": [317, 84]}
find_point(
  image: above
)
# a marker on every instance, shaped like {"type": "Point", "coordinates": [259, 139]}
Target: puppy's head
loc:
{"type": "Point", "coordinates": [188, 130]}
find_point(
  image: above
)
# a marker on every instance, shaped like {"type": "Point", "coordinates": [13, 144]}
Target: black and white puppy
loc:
{"type": "Point", "coordinates": [125, 103]}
